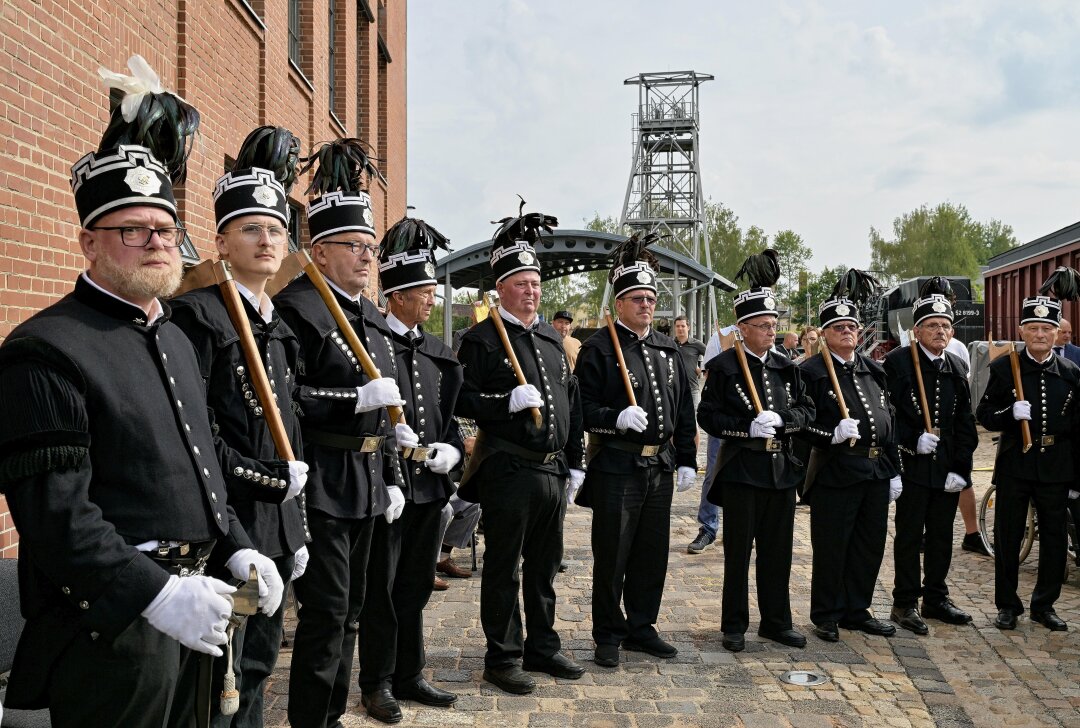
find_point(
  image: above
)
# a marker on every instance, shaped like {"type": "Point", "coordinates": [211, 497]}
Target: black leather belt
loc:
{"type": "Point", "coordinates": [364, 443]}
{"type": "Point", "coordinates": [184, 559]}
{"type": "Point", "coordinates": [872, 453]}
{"type": "Point", "coordinates": [525, 453]}
{"type": "Point", "coordinates": [758, 444]}
{"type": "Point", "coordinates": [637, 448]}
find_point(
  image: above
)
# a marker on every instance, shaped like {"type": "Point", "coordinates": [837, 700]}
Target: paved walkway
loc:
{"type": "Point", "coordinates": [973, 675]}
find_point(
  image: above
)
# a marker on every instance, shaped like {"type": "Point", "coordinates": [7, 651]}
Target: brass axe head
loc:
{"type": "Point", "coordinates": [246, 597]}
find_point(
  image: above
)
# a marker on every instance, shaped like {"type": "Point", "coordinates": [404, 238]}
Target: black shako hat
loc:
{"type": "Point", "coordinates": [260, 182]}
{"type": "Point", "coordinates": [762, 271]}
{"type": "Point", "coordinates": [340, 202]}
{"type": "Point", "coordinates": [935, 299]}
{"type": "Point", "coordinates": [633, 266]}
{"type": "Point", "coordinates": [512, 245]}
{"type": "Point", "coordinates": [850, 293]}
{"type": "Point", "coordinates": [407, 258]}
{"type": "Point", "coordinates": [143, 151]}
{"type": "Point", "coordinates": [1045, 308]}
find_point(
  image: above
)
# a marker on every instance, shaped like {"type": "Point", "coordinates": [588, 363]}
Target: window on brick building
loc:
{"type": "Point", "coordinates": [295, 211]}
{"type": "Point", "coordinates": [364, 77]}
{"type": "Point", "coordinates": [295, 37]}
{"type": "Point", "coordinates": [331, 57]}
{"type": "Point", "coordinates": [384, 59]}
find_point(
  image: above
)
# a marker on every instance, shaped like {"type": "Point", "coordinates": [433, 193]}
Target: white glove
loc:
{"type": "Point", "coordinates": [300, 559]}
{"type": "Point", "coordinates": [768, 417]}
{"type": "Point", "coordinates": [404, 436]}
{"type": "Point", "coordinates": [1021, 410]}
{"type": "Point", "coordinates": [298, 470]}
{"type": "Point", "coordinates": [573, 484]}
{"type": "Point", "coordinates": [397, 503]}
{"type": "Point", "coordinates": [271, 587]}
{"type": "Point", "coordinates": [524, 396]}
{"type": "Point", "coordinates": [378, 393]}
{"type": "Point", "coordinates": [632, 418]}
{"type": "Point", "coordinates": [684, 478]}
{"type": "Point", "coordinates": [895, 488]}
{"type": "Point", "coordinates": [758, 429]}
{"type": "Point", "coordinates": [446, 458]}
{"type": "Point", "coordinates": [954, 483]}
{"type": "Point", "coordinates": [193, 611]}
{"type": "Point", "coordinates": [846, 430]}
{"type": "Point", "coordinates": [1074, 494]}
{"type": "Point", "coordinates": [928, 442]}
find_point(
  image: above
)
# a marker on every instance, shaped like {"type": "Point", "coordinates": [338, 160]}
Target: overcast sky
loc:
{"type": "Point", "coordinates": [825, 117]}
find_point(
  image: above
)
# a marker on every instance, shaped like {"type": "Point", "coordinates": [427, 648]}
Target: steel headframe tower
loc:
{"type": "Point", "coordinates": [664, 190]}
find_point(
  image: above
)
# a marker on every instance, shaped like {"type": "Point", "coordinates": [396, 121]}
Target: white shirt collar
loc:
{"type": "Point", "coordinates": [399, 328]}
{"type": "Point", "coordinates": [645, 336]}
{"type": "Point", "coordinates": [153, 313]}
{"type": "Point", "coordinates": [263, 306]}
{"type": "Point", "coordinates": [515, 320]}
{"type": "Point", "coordinates": [1049, 356]}
{"type": "Point", "coordinates": [354, 299]}
{"type": "Point", "coordinates": [842, 361]}
{"type": "Point", "coordinates": [760, 358]}
{"type": "Point", "coordinates": [933, 357]}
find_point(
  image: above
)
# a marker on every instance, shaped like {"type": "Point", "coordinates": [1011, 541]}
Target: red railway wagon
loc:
{"type": "Point", "coordinates": [1018, 273]}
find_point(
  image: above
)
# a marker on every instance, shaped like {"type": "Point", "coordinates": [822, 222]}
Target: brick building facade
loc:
{"type": "Point", "coordinates": [322, 68]}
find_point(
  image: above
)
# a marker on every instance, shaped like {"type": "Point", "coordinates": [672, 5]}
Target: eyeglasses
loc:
{"type": "Point", "coordinates": [357, 249]}
{"type": "Point", "coordinates": [844, 328]}
{"type": "Point", "coordinates": [641, 300]}
{"type": "Point", "coordinates": [936, 327]}
{"type": "Point", "coordinates": [252, 233]}
{"type": "Point", "coordinates": [764, 327]}
{"type": "Point", "coordinates": [139, 237]}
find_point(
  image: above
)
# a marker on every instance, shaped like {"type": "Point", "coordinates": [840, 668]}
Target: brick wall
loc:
{"type": "Point", "coordinates": [230, 59]}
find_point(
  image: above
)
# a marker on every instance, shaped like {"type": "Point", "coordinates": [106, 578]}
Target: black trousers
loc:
{"type": "Point", "coordinates": [331, 596]}
{"type": "Point", "coordinates": [255, 651]}
{"type": "Point", "coordinates": [630, 535]}
{"type": "Point", "coordinates": [847, 530]}
{"type": "Point", "coordinates": [142, 679]}
{"type": "Point", "coordinates": [761, 518]}
{"type": "Point", "coordinates": [401, 573]}
{"type": "Point", "coordinates": [921, 509]}
{"type": "Point", "coordinates": [523, 522]}
{"type": "Point", "coordinates": [1010, 518]}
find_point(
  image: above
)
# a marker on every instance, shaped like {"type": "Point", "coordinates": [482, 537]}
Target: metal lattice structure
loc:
{"type": "Point", "coordinates": [664, 190]}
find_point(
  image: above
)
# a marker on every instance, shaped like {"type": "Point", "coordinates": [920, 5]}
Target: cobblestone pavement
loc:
{"type": "Point", "coordinates": [972, 675]}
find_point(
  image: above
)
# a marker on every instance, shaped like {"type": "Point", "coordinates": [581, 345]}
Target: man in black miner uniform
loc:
{"type": "Point", "coordinates": [1044, 474]}
{"type": "Point", "coordinates": [108, 458]}
{"type": "Point", "coordinates": [399, 571]}
{"type": "Point", "coordinates": [252, 213]}
{"type": "Point", "coordinates": [757, 471]}
{"type": "Point", "coordinates": [633, 451]}
{"type": "Point", "coordinates": [849, 488]}
{"type": "Point", "coordinates": [518, 472]}
{"type": "Point", "coordinates": [348, 439]}
{"type": "Point", "coordinates": [936, 465]}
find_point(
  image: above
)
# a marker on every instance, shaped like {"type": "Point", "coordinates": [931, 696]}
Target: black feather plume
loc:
{"type": "Point", "coordinates": [274, 148]}
{"type": "Point", "coordinates": [339, 165]}
{"type": "Point", "coordinates": [525, 227]}
{"type": "Point", "coordinates": [939, 285]}
{"type": "Point", "coordinates": [761, 270]}
{"type": "Point", "coordinates": [1063, 284]}
{"type": "Point", "coordinates": [858, 286]}
{"type": "Point", "coordinates": [633, 249]}
{"type": "Point", "coordinates": [164, 124]}
{"type": "Point", "coordinates": [411, 234]}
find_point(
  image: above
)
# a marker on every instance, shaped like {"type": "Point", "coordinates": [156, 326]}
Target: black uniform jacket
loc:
{"type": "Point", "coordinates": [342, 481]}
{"type": "Point", "coordinates": [429, 377]}
{"type": "Point", "coordinates": [104, 444]}
{"type": "Point", "coordinates": [1051, 389]}
{"type": "Point", "coordinates": [485, 397]}
{"type": "Point", "coordinates": [256, 476]}
{"type": "Point", "coordinates": [866, 395]}
{"type": "Point", "coordinates": [727, 409]}
{"type": "Point", "coordinates": [949, 399]}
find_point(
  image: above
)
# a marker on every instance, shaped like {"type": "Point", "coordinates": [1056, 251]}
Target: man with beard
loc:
{"type": "Point", "coordinates": [348, 439]}
{"type": "Point", "coordinates": [519, 468]}
{"type": "Point", "coordinates": [108, 459]}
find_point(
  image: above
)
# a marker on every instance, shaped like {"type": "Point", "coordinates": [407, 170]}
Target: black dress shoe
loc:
{"type": "Point", "coordinates": [788, 637]}
{"type": "Point", "coordinates": [871, 626]}
{"type": "Point", "coordinates": [606, 655]}
{"type": "Point", "coordinates": [381, 705]}
{"type": "Point", "coordinates": [946, 611]}
{"type": "Point", "coordinates": [558, 665]}
{"type": "Point", "coordinates": [1050, 620]}
{"type": "Point", "coordinates": [1006, 619]}
{"type": "Point", "coordinates": [827, 631]}
{"type": "Point", "coordinates": [652, 645]}
{"type": "Point", "coordinates": [425, 693]}
{"type": "Point", "coordinates": [511, 679]}
{"type": "Point", "coordinates": [973, 542]}
{"type": "Point", "coordinates": [733, 642]}
{"type": "Point", "coordinates": [909, 619]}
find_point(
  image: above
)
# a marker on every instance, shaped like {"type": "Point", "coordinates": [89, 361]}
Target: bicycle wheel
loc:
{"type": "Point", "coordinates": [1031, 533]}
{"type": "Point", "coordinates": [986, 518]}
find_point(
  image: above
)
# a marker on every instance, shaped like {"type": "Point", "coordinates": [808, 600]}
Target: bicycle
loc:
{"type": "Point", "coordinates": [1031, 530]}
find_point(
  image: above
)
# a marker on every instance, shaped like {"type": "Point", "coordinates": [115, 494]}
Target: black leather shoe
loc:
{"type": "Point", "coordinates": [606, 655]}
{"type": "Point", "coordinates": [558, 665]}
{"type": "Point", "coordinates": [973, 542]}
{"type": "Point", "coordinates": [909, 619]}
{"type": "Point", "coordinates": [425, 693]}
{"type": "Point", "coordinates": [733, 642]}
{"type": "Point", "coordinates": [871, 626]}
{"type": "Point", "coordinates": [381, 705]}
{"type": "Point", "coordinates": [653, 646]}
{"type": "Point", "coordinates": [827, 631]}
{"type": "Point", "coordinates": [946, 611]}
{"type": "Point", "coordinates": [788, 637]}
{"type": "Point", "coordinates": [1005, 619]}
{"type": "Point", "coordinates": [511, 679]}
{"type": "Point", "coordinates": [1050, 620]}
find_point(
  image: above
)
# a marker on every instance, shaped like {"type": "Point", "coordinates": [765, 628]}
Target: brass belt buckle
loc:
{"type": "Point", "coordinates": [185, 548]}
{"type": "Point", "coordinates": [1046, 440]}
{"type": "Point", "coordinates": [649, 450]}
{"type": "Point", "coordinates": [420, 454]}
{"type": "Point", "coordinates": [549, 457]}
{"type": "Point", "coordinates": [874, 453]}
{"type": "Point", "coordinates": [773, 445]}
{"type": "Point", "coordinates": [371, 444]}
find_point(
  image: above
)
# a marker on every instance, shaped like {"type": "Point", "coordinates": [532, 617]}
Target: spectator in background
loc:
{"type": "Point", "coordinates": [1063, 345]}
{"type": "Point", "coordinates": [563, 322]}
{"type": "Point", "coordinates": [790, 347]}
{"type": "Point", "coordinates": [692, 352]}
{"type": "Point", "coordinates": [808, 339]}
